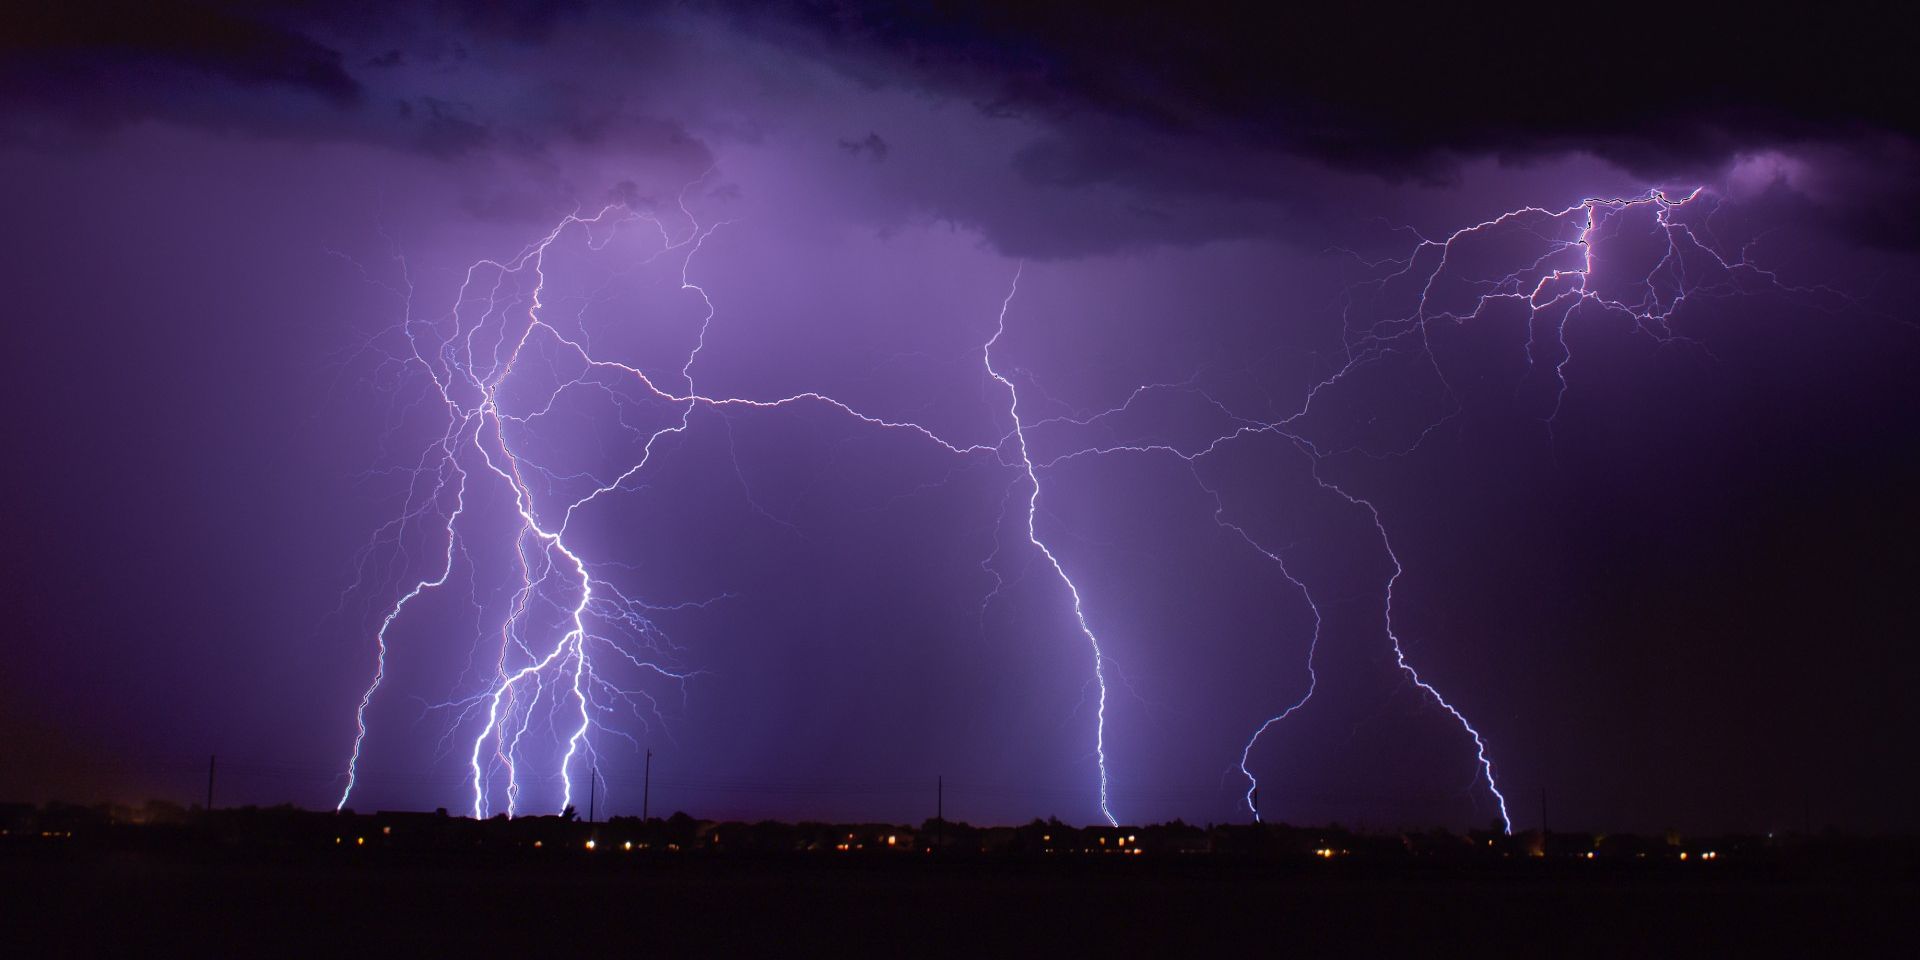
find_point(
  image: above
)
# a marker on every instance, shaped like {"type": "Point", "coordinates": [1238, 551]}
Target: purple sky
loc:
{"type": "Point", "coordinates": [1685, 602]}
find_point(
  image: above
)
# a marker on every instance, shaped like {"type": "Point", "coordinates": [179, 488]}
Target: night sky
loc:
{"type": "Point", "coordinates": [1663, 568]}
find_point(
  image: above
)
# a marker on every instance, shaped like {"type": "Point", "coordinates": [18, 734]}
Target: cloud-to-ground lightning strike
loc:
{"type": "Point", "coordinates": [1313, 646]}
{"type": "Point", "coordinates": [1033, 537]}
{"type": "Point", "coordinates": [469, 377]}
{"type": "Point", "coordinates": [1566, 275]}
{"type": "Point", "coordinates": [547, 679]}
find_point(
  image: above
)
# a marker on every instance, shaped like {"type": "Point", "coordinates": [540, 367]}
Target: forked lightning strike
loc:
{"type": "Point", "coordinates": [1565, 275]}
{"type": "Point", "coordinates": [553, 677]}
{"type": "Point", "coordinates": [550, 676]}
{"type": "Point", "coordinates": [1033, 537]}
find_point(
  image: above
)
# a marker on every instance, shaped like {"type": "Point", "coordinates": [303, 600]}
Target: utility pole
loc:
{"type": "Point", "coordinates": [593, 786]}
{"type": "Point", "coordinates": [211, 758]}
{"type": "Point", "coordinates": [646, 788]}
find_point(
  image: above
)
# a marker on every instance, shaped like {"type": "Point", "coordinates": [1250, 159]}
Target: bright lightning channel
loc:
{"type": "Point", "coordinates": [601, 620]}
{"type": "Point", "coordinates": [1551, 287]}
{"type": "Point", "coordinates": [562, 671]}
{"type": "Point", "coordinates": [1033, 537]}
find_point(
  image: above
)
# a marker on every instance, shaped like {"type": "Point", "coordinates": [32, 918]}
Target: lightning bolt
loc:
{"type": "Point", "coordinates": [472, 365]}
{"type": "Point", "coordinates": [1565, 275]}
{"type": "Point", "coordinates": [549, 675]}
{"type": "Point", "coordinates": [1033, 537]}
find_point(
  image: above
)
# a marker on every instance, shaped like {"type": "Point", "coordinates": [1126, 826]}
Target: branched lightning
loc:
{"type": "Point", "coordinates": [545, 675]}
{"type": "Point", "coordinates": [1033, 537]}
{"type": "Point", "coordinates": [1565, 275]}
{"type": "Point", "coordinates": [568, 628]}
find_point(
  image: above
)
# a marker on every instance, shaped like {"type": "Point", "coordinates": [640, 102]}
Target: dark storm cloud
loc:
{"type": "Point", "coordinates": [103, 43]}
{"type": "Point", "coordinates": [1182, 98]}
{"type": "Point", "coordinates": [308, 72]}
{"type": "Point", "coordinates": [519, 21]}
{"type": "Point", "coordinates": [101, 64]}
{"type": "Point", "coordinates": [1401, 88]}
{"type": "Point", "coordinates": [1141, 125]}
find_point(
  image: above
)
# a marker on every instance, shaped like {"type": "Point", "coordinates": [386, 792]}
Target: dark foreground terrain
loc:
{"type": "Point", "coordinates": [164, 903]}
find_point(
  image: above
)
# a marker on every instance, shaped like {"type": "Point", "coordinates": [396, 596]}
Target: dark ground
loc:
{"type": "Point", "coordinates": [142, 904]}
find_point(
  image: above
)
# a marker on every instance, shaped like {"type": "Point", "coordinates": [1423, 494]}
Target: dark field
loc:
{"type": "Point", "coordinates": [144, 903]}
